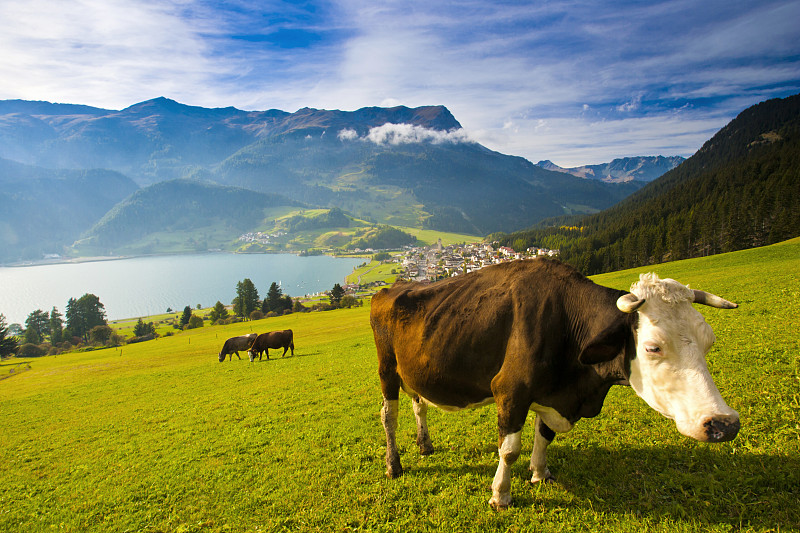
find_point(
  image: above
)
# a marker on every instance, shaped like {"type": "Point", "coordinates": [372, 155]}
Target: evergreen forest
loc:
{"type": "Point", "coordinates": [739, 191]}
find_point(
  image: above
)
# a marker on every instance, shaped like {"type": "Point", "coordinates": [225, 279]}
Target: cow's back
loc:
{"type": "Point", "coordinates": [451, 339]}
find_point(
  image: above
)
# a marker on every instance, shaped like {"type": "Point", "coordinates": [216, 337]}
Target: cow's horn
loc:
{"type": "Point", "coordinates": [628, 303]}
{"type": "Point", "coordinates": [706, 298]}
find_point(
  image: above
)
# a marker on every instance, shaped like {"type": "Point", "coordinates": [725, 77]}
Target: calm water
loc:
{"type": "Point", "coordinates": [144, 286]}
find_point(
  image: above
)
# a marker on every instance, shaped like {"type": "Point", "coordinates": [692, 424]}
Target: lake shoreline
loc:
{"type": "Point", "coordinates": [144, 285]}
{"type": "Point", "coordinates": [98, 258]}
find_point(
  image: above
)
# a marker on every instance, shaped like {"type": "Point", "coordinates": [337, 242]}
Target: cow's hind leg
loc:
{"type": "Point", "coordinates": [390, 386]}
{"type": "Point", "coordinates": [421, 415]}
{"type": "Point", "coordinates": [544, 436]}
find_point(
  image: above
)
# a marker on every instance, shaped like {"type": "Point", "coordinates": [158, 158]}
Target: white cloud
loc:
{"type": "Point", "coordinates": [347, 135]}
{"type": "Point", "coordinates": [395, 134]}
{"type": "Point", "coordinates": [107, 53]}
{"type": "Point", "coordinates": [558, 80]}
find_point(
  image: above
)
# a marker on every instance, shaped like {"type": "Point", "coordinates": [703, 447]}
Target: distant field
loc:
{"type": "Point", "coordinates": [159, 436]}
{"type": "Point", "coordinates": [428, 237]}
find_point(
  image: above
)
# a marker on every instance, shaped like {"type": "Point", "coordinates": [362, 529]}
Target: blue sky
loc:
{"type": "Point", "coordinates": [577, 82]}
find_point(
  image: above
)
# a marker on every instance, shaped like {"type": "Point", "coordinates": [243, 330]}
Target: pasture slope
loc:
{"type": "Point", "coordinates": [159, 436]}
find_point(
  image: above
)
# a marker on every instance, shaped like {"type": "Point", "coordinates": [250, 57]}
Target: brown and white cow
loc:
{"type": "Point", "coordinates": [539, 336]}
{"type": "Point", "coordinates": [234, 345]}
{"type": "Point", "coordinates": [273, 339]}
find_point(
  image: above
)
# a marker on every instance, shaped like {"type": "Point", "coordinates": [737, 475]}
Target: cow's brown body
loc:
{"type": "Point", "coordinates": [273, 339]}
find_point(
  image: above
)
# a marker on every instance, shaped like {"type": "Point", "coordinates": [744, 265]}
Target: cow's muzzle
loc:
{"type": "Point", "coordinates": [721, 428]}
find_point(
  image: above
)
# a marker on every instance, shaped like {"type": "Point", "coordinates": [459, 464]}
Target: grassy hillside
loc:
{"type": "Point", "coordinates": [159, 436]}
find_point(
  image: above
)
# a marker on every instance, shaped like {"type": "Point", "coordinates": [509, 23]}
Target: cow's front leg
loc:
{"type": "Point", "coordinates": [509, 449]}
{"type": "Point", "coordinates": [237, 355]}
{"type": "Point", "coordinates": [421, 415]}
{"type": "Point", "coordinates": [544, 436]}
{"type": "Point", "coordinates": [389, 419]}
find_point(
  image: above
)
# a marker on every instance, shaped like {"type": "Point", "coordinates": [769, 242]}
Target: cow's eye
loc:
{"type": "Point", "coordinates": [652, 348]}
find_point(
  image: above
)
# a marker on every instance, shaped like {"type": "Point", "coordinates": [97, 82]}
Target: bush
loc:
{"type": "Point", "coordinates": [349, 301]}
{"type": "Point", "coordinates": [100, 334]}
{"type": "Point", "coordinates": [31, 350]}
{"type": "Point", "coordinates": [256, 315]}
{"type": "Point", "coordinates": [194, 322]}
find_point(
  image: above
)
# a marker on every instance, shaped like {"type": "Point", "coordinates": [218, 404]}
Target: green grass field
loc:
{"type": "Point", "coordinates": [160, 436]}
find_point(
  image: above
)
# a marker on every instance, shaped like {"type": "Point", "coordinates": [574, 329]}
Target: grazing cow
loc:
{"type": "Point", "coordinates": [539, 336]}
{"type": "Point", "coordinates": [234, 345]}
{"type": "Point", "coordinates": [274, 339]}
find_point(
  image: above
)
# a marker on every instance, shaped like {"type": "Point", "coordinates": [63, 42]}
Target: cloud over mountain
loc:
{"type": "Point", "coordinates": [396, 134]}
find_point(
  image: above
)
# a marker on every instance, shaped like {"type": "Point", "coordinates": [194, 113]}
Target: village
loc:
{"type": "Point", "coordinates": [429, 263]}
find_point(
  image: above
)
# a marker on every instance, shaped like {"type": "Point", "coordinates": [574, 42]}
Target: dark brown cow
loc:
{"type": "Point", "coordinates": [273, 339]}
{"type": "Point", "coordinates": [537, 335]}
{"type": "Point", "coordinates": [236, 344]}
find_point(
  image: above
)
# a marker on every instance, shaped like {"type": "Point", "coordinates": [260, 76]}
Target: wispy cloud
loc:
{"type": "Point", "coordinates": [574, 81]}
{"type": "Point", "coordinates": [395, 134]}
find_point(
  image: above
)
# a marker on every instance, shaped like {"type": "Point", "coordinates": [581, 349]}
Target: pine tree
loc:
{"type": "Point", "coordinates": [246, 300]}
{"type": "Point", "coordinates": [8, 343]}
{"type": "Point", "coordinates": [37, 325]}
{"type": "Point", "coordinates": [336, 295]}
{"type": "Point", "coordinates": [56, 326]}
{"type": "Point", "coordinates": [274, 302]}
{"type": "Point", "coordinates": [218, 313]}
{"type": "Point", "coordinates": [187, 314]}
{"type": "Point", "coordinates": [83, 314]}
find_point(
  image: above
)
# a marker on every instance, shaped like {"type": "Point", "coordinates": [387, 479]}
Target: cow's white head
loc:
{"type": "Point", "coordinates": [669, 371]}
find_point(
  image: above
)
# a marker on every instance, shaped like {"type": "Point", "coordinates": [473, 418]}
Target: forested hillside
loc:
{"type": "Point", "coordinates": [42, 208]}
{"type": "Point", "coordinates": [178, 205]}
{"type": "Point", "coordinates": [740, 190]}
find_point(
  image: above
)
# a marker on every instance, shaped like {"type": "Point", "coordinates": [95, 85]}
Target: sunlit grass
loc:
{"type": "Point", "coordinates": [160, 436]}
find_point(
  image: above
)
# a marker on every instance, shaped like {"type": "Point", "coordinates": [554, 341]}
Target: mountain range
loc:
{"type": "Point", "coordinates": [621, 170]}
{"type": "Point", "coordinates": [402, 166]}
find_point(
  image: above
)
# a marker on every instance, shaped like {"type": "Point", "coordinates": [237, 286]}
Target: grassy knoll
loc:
{"type": "Point", "coordinates": [159, 436]}
{"type": "Point", "coordinates": [373, 271]}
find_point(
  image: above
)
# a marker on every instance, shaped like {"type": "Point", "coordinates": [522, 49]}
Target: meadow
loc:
{"type": "Point", "coordinates": [160, 436]}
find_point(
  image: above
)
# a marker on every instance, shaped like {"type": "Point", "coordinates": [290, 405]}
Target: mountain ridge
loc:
{"type": "Point", "coordinates": [621, 170]}
{"type": "Point", "coordinates": [738, 191]}
{"type": "Point", "coordinates": [411, 167]}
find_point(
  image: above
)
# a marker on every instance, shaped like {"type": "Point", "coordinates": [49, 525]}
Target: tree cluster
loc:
{"type": "Point", "coordinates": [48, 333]}
{"type": "Point", "coordinates": [247, 303]}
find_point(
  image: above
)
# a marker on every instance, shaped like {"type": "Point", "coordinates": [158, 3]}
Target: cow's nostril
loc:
{"type": "Point", "coordinates": [721, 429]}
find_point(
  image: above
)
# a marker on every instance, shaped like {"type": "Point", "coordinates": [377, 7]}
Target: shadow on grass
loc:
{"type": "Point", "coordinates": [288, 355]}
{"type": "Point", "coordinates": [702, 484]}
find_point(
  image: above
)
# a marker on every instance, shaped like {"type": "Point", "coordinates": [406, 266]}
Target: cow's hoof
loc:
{"type": "Point", "coordinates": [547, 477]}
{"type": "Point", "coordinates": [500, 504]}
{"type": "Point", "coordinates": [394, 473]}
{"type": "Point", "coordinates": [426, 449]}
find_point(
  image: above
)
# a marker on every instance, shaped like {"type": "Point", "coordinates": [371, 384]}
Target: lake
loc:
{"type": "Point", "coordinates": [142, 286]}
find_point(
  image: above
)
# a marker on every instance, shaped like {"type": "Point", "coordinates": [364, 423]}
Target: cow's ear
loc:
{"type": "Point", "coordinates": [605, 345]}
